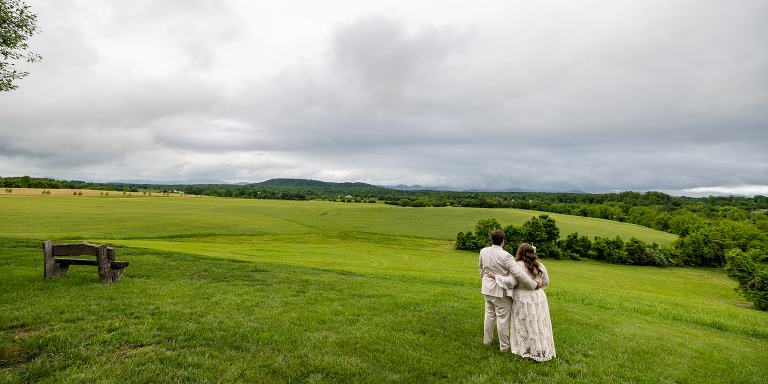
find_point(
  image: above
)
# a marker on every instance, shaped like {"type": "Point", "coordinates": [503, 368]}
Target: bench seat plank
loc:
{"type": "Point", "coordinates": [115, 264]}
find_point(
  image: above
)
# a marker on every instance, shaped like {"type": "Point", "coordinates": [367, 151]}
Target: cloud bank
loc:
{"type": "Point", "coordinates": [552, 95]}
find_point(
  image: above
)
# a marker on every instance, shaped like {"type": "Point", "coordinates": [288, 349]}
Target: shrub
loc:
{"type": "Point", "coordinates": [635, 250]}
{"type": "Point", "coordinates": [468, 242]}
{"type": "Point", "coordinates": [610, 250]}
{"type": "Point", "coordinates": [654, 257]}
{"type": "Point", "coordinates": [577, 245]}
{"type": "Point", "coordinates": [751, 274]}
{"type": "Point", "coordinates": [553, 252]}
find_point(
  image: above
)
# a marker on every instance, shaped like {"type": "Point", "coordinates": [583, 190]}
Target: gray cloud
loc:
{"type": "Point", "coordinates": [595, 95]}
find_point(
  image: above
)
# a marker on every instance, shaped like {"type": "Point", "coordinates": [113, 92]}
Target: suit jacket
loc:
{"type": "Point", "coordinates": [494, 258]}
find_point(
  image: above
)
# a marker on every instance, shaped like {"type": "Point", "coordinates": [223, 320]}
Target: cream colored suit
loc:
{"type": "Point", "coordinates": [498, 300]}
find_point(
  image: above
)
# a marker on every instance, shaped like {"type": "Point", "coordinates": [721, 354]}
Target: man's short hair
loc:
{"type": "Point", "coordinates": [497, 236]}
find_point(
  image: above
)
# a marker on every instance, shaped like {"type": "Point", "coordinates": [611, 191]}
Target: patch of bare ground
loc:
{"type": "Point", "coordinates": [24, 333]}
{"type": "Point", "coordinates": [127, 352]}
{"type": "Point", "coordinates": [12, 355]}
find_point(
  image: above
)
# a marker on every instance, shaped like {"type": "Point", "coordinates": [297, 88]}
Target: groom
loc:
{"type": "Point", "coordinates": [498, 300]}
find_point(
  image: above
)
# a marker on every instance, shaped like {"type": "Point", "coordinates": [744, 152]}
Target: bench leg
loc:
{"type": "Point", "coordinates": [51, 268]}
{"type": "Point", "coordinates": [116, 274]}
{"type": "Point", "coordinates": [105, 267]}
{"type": "Point", "coordinates": [105, 256]}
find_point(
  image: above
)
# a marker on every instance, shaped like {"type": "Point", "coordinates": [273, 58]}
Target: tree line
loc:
{"type": "Point", "coordinates": [542, 231]}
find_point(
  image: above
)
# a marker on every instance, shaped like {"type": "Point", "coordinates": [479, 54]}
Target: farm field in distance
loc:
{"type": "Point", "coordinates": [157, 216]}
{"type": "Point", "coordinates": [238, 290]}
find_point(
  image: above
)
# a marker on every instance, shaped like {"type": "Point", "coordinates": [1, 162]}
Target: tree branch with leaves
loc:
{"type": "Point", "coordinates": [17, 24]}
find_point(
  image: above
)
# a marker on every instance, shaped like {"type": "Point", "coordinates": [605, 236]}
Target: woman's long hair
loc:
{"type": "Point", "coordinates": [527, 253]}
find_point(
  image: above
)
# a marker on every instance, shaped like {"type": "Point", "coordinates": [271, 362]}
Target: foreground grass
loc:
{"type": "Point", "coordinates": [186, 317]}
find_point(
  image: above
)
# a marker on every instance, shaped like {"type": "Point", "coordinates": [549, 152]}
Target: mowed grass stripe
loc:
{"type": "Point", "coordinates": [352, 252]}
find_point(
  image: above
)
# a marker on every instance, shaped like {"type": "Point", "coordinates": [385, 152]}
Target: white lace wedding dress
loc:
{"type": "Point", "coordinates": [531, 330]}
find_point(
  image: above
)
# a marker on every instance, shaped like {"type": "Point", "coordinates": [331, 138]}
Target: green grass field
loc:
{"type": "Point", "coordinates": [72, 217]}
{"type": "Point", "coordinates": [231, 290]}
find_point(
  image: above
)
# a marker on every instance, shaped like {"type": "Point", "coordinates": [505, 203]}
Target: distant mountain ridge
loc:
{"type": "Point", "coordinates": [173, 182]}
{"type": "Point", "coordinates": [313, 183]}
{"type": "Point", "coordinates": [285, 182]}
{"type": "Point", "coordinates": [288, 182]}
{"type": "Point", "coordinates": [417, 187]}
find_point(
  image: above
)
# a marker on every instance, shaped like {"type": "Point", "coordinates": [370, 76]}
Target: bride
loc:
{"type": "Point", "coordinates": [531, 329]}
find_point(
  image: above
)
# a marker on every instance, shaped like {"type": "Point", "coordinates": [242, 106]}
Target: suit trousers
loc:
{"type": "Point", "coordinates": [498, 312]}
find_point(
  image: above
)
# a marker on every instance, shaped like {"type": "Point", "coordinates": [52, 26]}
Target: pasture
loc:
{"type": "Point", "coordinates": [157, 216]}
{"type": "Point", "coordinates": [234, 290]}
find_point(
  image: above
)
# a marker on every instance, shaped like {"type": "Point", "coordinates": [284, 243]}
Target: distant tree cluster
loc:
{"type": "Point", "coordinates": [543, 233]}
{"type": "Point", "coordinates": [540, 231]}
{"type": "Point", "coordinates": [48, 183]}
{"type": "Point", "coordinates": [28, 182]}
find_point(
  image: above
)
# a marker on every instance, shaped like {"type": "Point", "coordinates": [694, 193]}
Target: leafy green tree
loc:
{"type": "Point", "coordinates": [635, 250]}
{"type": "Point", "coordinates": [578, 245]}
{"type": "Point", "coordinates": [696, 249]}
{"type": "Point", "coordinates": [466, 241]}
{"type": "Point", "coordinates": [552, 232]}
{"type": "Point", "coordinates": [542, 232]}
{"type": "Point", "coordinates": [483, 230]}
{"type": "Point", "coordinates": [654, 256]}
{"type": "Point", "coordinates": [461, 241]}
{"type": "Point", "coordinates": [708, 245]}
{"type": "Point", "coordinates": [761, 221]}
{"type": "Point", "coordinates": [684, 223]}
{"type": "Point", "coordinates": [514, 236]}
{"type": "Point", "coordinates": [640, 253]}
{"type": "Point", "coordinates": [610, 250]}
{"type": "Point", "coordinates": [751, 274]}
{"type": "Point", "coordinates": [25, 182]}
{"type": "Point", "coordinates": [17, 24]}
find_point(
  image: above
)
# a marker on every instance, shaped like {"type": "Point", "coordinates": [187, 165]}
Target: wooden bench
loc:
{"type": "Point", "coordinates": [109, 269]}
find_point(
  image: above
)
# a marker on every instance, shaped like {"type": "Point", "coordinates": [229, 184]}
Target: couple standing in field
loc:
{"type": "Point", "coordinates": [515, 301]}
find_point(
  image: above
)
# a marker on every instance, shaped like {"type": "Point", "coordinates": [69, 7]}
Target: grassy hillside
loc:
{"type": "Point", "coordinates": [118, 217]}
{"type": "Point", "coordinates": [235, 290]}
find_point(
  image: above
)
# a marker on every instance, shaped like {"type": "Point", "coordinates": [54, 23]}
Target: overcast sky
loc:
{"type": "Point", "coordinates": [598, 96]}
